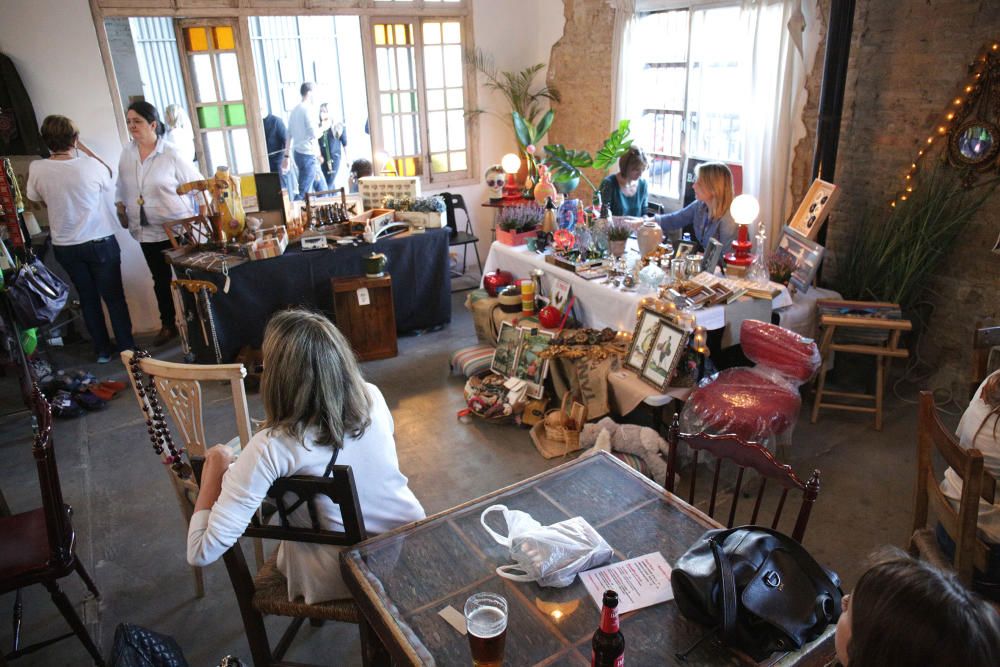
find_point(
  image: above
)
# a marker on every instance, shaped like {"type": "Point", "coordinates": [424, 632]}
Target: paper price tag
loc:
{"type": "Point", "coordinates": [454, 619]}
{"type": "Point", "coordinates": [363, 297]}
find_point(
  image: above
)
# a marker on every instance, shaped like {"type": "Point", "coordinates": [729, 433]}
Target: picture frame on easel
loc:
{"type": "Point", "coordinates": [814, 209]}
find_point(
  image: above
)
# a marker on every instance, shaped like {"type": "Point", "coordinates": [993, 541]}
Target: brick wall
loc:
{"type": "Point", "coordinates": [907, 61]}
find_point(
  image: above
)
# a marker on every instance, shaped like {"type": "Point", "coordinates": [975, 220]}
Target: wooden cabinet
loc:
{"type": "Point", "coordinates": [363, 311]}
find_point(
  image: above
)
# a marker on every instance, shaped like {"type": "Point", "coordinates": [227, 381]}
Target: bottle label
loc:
{"type": "Point", "coordinates": [619, 661]}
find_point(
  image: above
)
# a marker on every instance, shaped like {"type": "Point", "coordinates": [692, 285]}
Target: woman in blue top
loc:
{"type": "Point", "coordinates": [626, 192]}
{"type": "Point", "coordinates": [708, 215]}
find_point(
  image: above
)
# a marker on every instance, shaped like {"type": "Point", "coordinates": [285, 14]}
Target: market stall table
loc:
{"type": "Point", "coordinates": [402, 579]}
{"type": "Point", "coordinates": [598, 304]}
{"type": "Point", "coordinates": [421, 288]}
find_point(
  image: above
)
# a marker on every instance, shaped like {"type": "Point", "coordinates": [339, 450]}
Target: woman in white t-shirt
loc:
{"type": "Point", "coordinates": [318, 409]}
{"type": "Point", "coordinates": [76, 189]}
{"type": "Point", "coordinates": [979, 429]}
{"type": "Point", "coordinates": [149, 171]}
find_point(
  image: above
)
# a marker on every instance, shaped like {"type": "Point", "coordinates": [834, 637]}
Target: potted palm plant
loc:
{"type": "Point", "coordinates": [567, 164]}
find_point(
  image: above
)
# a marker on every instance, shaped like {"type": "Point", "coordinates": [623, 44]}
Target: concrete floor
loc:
{"type": "Point", "coordinates": [131, 536]}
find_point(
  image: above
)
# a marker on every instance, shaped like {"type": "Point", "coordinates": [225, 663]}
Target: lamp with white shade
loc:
{"type": "Point", "coordinates": [744, 210]}
{"type": "Point", "coordinates": [511, 163]}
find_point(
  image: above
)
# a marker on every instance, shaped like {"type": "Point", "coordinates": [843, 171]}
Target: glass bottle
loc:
{"type": "Point", "coordinates": [609, 643]}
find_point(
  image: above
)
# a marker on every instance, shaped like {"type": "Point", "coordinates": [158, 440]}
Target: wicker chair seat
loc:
{"type": "Point", "coordinates": [271, 597]}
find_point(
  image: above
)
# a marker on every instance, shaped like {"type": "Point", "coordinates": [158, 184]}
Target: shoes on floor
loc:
{"type": "Point", "coordinates": [64, 407]}
{"type": "Point", "coordinates": [104, 357]}
{"type": "Point", "coordinates": [165, 335]}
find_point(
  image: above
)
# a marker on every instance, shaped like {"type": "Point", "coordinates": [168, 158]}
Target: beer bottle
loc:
{"type": "Point", "coordinates": [609, 643]}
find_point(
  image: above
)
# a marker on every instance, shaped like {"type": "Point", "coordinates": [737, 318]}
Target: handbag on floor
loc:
{"type": "Point", "coordinates": [136, 646]}
{"type": "Point", "coordinates": [758, 589]}
{"type": "Point", "coordinates": [36, 294]}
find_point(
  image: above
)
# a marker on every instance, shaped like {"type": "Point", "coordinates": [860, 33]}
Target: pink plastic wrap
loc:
{"type": "Point", "coordinates": [760, 403]}
{"type": "Point", "coordinates": [786, 352]}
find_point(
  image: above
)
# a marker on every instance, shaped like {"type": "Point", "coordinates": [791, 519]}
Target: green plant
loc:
{"type": "Point", "coordinates": [566, 164]}
{"type": "Point", "coordinates": [892, 255]}
{"type": "Point", "coordinates": [619, 230]}
{"type": "Point", "coordinates": [516, 87]}
{"type": "Point", "coordinates": [431, 204]}
{"type": "Point", "coordinates": [520, 218]}
{"type": "Point", "coordinates": [780, 266]}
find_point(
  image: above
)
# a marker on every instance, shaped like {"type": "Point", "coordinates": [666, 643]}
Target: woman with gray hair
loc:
{"type": "Point", "coordinates": [318, 410]}
{"type": "Point", "coordinates": [627, 192]}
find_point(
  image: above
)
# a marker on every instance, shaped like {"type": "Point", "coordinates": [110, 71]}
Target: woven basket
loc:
{"type": "Point", "coordinates": [555, 421]}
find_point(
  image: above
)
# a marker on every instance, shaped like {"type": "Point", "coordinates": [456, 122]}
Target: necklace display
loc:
{"type": "Point", "coordinates": [156, 423]}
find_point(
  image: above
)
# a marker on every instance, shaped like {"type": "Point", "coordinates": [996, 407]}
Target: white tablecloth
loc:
{"type": "Point", "coordinates": [598, 305]}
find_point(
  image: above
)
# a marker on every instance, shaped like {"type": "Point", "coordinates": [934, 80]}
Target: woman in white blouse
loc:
{"type": "Point", "coordinates": [149, 172]}
{"type": "Point", "coordinates": [317, 407]}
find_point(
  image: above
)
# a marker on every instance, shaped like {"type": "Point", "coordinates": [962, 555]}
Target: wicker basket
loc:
{"type": "Point", "coordinates": [555, 421]}
{"type": "Point", "coordinates": [566, 423]}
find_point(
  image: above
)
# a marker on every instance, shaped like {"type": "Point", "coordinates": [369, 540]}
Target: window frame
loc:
{"type": "Point", "coordinates": [690, 6]}
{"type": "Point", "coordinates": [368, 11]}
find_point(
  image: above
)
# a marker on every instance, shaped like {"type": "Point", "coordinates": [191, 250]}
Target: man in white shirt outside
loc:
{"type": "Point", "coordinates": [304, 131]}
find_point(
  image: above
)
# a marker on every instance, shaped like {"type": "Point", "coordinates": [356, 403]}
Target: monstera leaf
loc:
{"type": "Point", "coordinates": [565, 162]}
{"type": "Point", "coordinates": [614, 147]}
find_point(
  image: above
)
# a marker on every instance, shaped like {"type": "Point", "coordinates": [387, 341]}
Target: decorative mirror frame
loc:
{"type": "Point", "coordinates": [955, 151]}
{"type": "Point", "coordinates": [976, 106]}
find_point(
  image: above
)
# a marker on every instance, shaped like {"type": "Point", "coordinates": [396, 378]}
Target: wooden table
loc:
{"type": "Point", "coordinates": [401, 579]}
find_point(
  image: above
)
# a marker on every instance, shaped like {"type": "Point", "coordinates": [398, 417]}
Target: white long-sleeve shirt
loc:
{"type": "Point", "coordinates": [987, 441]}
{"type": "Point", "coordinates": [156, 179]}
{"type": "Point", "coordinates": [312, 570]}
{"type": "Point", "coordinates": [303, 129]}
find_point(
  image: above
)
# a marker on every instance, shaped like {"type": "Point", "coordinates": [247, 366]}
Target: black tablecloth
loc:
{"type": "Point", "coordinates": [421, 289]}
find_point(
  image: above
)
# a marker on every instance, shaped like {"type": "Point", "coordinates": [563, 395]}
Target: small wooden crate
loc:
{"type": "Point", "coordinates": [370, 327]}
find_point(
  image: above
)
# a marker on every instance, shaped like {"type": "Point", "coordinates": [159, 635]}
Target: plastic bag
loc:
{"type": "Point", "coordinates": [550, 555]}
{"type": "Point", "coordinates": [761, 403]}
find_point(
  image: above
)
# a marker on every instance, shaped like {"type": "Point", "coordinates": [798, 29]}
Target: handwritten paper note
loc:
{"type": "Point", "coordinates": [640, 582]}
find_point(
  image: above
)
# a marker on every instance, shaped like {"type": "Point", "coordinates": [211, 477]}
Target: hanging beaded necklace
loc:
{"type": "Point", "coordinates": [156, 423]}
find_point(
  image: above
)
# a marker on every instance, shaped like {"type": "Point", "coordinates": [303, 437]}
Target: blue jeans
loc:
{"type": "Point", "coordinates": [308, 168]}
{"type": "Point", "coordinates": [95, 269]}
{"type": "Point", "coordinates": [985, 583]}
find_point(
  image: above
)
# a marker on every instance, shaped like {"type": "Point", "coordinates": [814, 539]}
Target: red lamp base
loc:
{"type": "Point", "coordinates": [740, 256]}
{"type": "Point", "coordinates": [510, 188]}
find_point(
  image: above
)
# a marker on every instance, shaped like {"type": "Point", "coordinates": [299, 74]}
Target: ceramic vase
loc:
{"type": "Point", "coordinates": [649, 236]}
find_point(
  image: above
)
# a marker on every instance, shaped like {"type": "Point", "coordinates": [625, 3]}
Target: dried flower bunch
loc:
{"type": "Point", "coordinates": [432, 204]}
{"type": "Point", "coordinates": [520, 218]}
{"type": "Point", "coordinates": [780, 266]}
{"type": "Point", "coordinates": [618, 230]}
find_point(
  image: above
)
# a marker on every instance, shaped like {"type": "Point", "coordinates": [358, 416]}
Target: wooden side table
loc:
{"type": "Point", "coordinates": [363, 311]}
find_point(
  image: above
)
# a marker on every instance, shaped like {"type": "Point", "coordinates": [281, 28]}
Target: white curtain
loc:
{"type": "Point", "coordinates": [622, 80]}
{"type": "Point", "coordinates": [783, 36]}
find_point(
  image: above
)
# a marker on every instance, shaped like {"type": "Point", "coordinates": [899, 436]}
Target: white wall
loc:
{"type": "Point", "coordinates": [53, 43]}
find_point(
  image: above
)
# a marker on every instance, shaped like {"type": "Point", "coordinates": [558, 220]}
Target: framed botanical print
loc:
{"type": "Point", "coordinates": [529, 366]}
{"type": "Point", "coordinates": [505, 354]}
{"type": "Point", "coordinates": [807, 254]}
{"type": "Point", "coordinates": [642, 339]}
{"type": "Point", "coordinates": [814, 209]}
{"type": "Point", "coordinates": [664, 354]}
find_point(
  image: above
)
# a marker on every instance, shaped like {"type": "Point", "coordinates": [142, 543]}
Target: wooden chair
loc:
{"type": "Point", "coordinates": [179, 387]}
{"type": "Point", "coordinates": [970, 552]}
{"type": "Point", "coordinates": [744, 455]}
{"type": "Point", "coordinates": [984, 339]}
{"type": "Point", "coordinates": [881, 336]}
{"type": "Point", "coordinates": [39, 546]}
{"type": "Point", "coordinates": [267, 592]}
{"type": "Point", "coordinates": [454, 202]}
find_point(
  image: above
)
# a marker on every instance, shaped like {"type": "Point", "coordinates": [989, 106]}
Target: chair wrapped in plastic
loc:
{"type": "Point", "coordinates": [761, 403]}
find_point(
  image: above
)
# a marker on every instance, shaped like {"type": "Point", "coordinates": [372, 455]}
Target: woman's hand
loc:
{"type": "Point", "coordinates": [122, 215]}
{"type": "Point", "coordinates": [217, 461]}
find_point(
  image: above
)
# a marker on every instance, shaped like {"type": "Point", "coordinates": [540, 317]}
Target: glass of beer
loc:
{"type": "Point", "coordinates": [486, 620]}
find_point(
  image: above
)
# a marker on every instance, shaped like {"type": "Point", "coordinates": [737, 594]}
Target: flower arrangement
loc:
{"type": "Point", "coordinates": [618, 230]}
{"type": "Point", "coordinates": [780, 266]}
{"type": "Point", "coordinates": [520, 218]}
{"type": "Point", "coordinates": [431, 204]}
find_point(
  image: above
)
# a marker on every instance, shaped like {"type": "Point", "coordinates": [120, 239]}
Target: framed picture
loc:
{"type": "Point", "coordinates": [667, 350]}
{"type": "Point", "coordinates": [505, 355]}
{"type": "Point", "coordinates": [808, 255]}
{"type": "Point", "coordinates": [529, 366]}
{"type": "Point", "coordinates": [814, 209]}
{"type": "Point", "coordinates": [713, 253]}
{"type": "Point", "coordinates": [642, 340]}
{"type": "Point", "coordinates": [560, 294]}
{"type": "Point", "coordinates": [684, 249]}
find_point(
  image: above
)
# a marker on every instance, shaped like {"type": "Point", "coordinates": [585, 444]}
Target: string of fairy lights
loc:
{"type": "Point", "coordinates": [970, 89]}
{"type": "Point", "coordinates": [684, 319]}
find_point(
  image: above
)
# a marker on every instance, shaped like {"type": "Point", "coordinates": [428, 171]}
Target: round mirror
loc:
{"type": "Point", "coordinates": [975, 142]}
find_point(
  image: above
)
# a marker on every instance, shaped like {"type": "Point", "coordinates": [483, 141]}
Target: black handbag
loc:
{"type": "Point", "coordinates": [136, 646]}
{"type": "Point", "coordinates": [36, 294]}
{"type": "Point", "coordinates": [758, 589]}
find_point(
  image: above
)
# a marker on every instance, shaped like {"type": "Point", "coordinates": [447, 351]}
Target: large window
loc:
{"type": "Point", "coordinates": [690, 84]}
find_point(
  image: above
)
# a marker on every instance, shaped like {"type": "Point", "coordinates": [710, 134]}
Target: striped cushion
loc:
{"type": "Point", "coordinates": [473, 360]}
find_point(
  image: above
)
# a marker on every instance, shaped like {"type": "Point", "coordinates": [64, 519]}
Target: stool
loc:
{"type": "Point", "coordinates": [873, 329]}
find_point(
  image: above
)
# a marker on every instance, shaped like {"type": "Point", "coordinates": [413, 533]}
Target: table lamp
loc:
{"type": "Point", "coordinates": [744, 210]}
{"type": "Point", "coordinates": [511, 163]}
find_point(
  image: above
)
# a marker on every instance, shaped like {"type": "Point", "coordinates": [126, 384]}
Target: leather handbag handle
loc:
{"type": "Point", "coordinates": [728, 582]}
